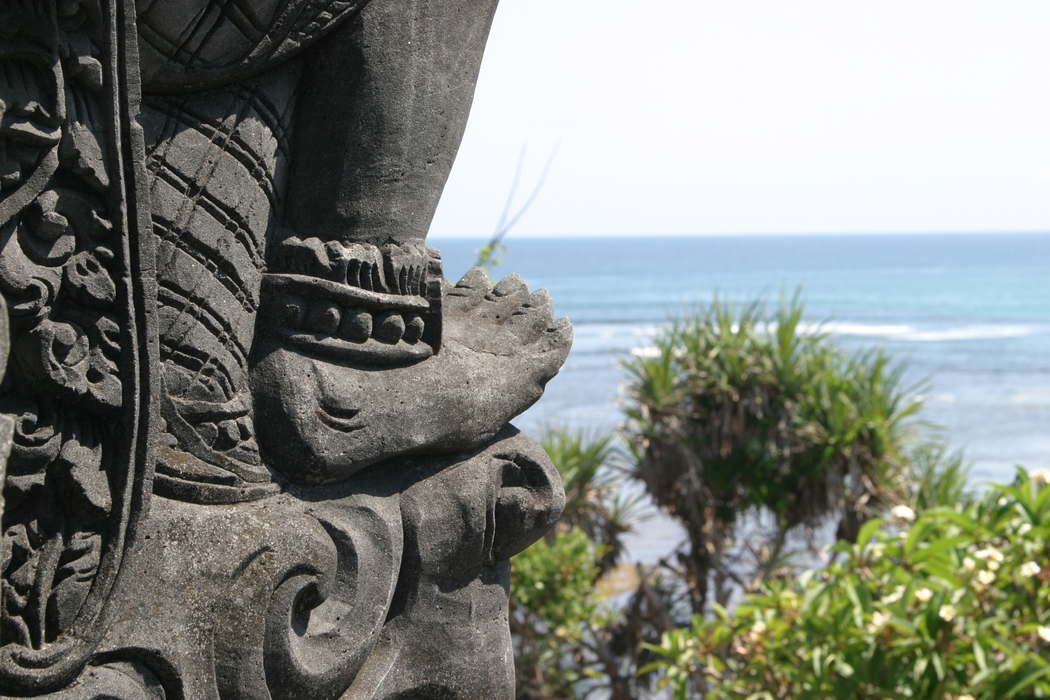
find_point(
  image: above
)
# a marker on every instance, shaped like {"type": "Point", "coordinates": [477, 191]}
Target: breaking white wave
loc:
{"type": "Point", "coordinates": [897, 332]}
{"type": "Point", "coordinates": [645, 351]}
{"type": "Point", "coordinates": [915, 334]}
{"type": "Point", "coordinates": [1030, 398]}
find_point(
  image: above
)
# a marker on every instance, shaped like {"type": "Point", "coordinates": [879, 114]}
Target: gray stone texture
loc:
{"type": "Point", "coordinates": [252, 443]}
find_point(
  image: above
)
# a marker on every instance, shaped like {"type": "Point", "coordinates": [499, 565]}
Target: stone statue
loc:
{"type": "Point", "coordinates": [256, 446]}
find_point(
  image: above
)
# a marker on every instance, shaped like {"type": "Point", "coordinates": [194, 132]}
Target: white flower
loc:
{"type": "Point", "coordinates": [1030, 568]}
{"type": "Point", "coordinates": [1003, 500]}
{"type": "Point", "coordinates": [966, 696]}
{"type": "Point", "coordinates": [924, 594]}
{"type": "Point", "coordinates": [957, 596]}
{"type": "Point", "coordinates": [947, 613]}
{"type": "Point", "coordinates": [878, 620]}
{"type": "Point", "coordinates": [990, 553]}
{"type": "Point", "coordinates": [759, 627]}
{"type": "Point", "coordinates": [986, 577]}
{"type": "Point", "coordinates": [895, 596]}
{"type": "Point", "coordinates": [1043, 632]}
{"type": "Point", "coordinates": [1024, 529]}
{"type": "Point", "coordinates": [992, 565]}
{"type": "Point", "coordinates": [902, 512]}
{"type": "Point", "coordinates": [969, 564]}
{"type": "Point", "coordinates": [1040, 476]}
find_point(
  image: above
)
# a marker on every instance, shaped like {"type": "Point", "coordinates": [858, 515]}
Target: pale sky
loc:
{"type": "Point", "coordinates": [761, 116]}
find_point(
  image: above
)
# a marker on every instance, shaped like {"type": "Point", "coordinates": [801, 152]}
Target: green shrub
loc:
{"type": "Point", "coordinates": [951, 602]}
{"type": "Point", "coordinates": [554, 581]}
{"type": "Point", "coordinates": [592, 469]}
{"type": "Point", "coordinates": [552, 607]}
{"type": "Point", "coordinates": [568, 641]}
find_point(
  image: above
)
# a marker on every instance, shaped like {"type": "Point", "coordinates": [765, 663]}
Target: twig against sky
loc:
{"type": "Point", "coordinates": [487, 253]}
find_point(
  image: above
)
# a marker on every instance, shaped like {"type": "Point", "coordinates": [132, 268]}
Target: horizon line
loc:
{"type": "Point", "coordinates": [622, 234]}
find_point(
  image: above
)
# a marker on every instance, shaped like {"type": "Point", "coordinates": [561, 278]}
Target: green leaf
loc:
{"type": "Point", "coordinates": [842, 668]}
{"type": "Point", "coordinates": [1023, 677]}
{"type": "Point", "coordinates": [938, 665]}
{"type": "Point", "coordinates": [938, 547]}
{"type": "Point", "coordinates": [867, 531]}
{"type": "Point", "coordinates": [962, 520]}
{"type": "Point", "coordinates": [919, 532]}
{"type": "Point", "coordinates": [979, 655]}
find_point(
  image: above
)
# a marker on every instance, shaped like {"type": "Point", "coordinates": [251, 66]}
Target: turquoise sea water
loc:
{"type": "Point", "coordinates": [970, 313]}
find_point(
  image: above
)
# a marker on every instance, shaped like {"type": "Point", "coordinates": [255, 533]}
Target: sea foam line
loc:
{"type": "Point", "coordinates": [903, 332]}
{"type": "Point", "coordinates": [911, 333]}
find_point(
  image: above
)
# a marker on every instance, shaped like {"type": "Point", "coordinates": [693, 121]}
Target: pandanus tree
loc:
{"type": "Point", "coordinates": [592, 470]}
{"type": "Point", "coordinates": [738, 410]}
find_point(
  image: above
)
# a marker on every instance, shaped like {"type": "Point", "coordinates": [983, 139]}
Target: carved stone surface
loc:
{"type": "Point", "coordinates": [253, 445]}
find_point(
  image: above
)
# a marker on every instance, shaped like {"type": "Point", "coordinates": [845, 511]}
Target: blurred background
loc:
{"type": "Point", "coordinates": [890, 159]}
{"type": "Point", "coordinates": [888, 162]}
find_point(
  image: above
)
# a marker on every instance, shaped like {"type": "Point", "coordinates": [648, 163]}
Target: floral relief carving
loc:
{"type": "Point", "coordinates": [68, 285]}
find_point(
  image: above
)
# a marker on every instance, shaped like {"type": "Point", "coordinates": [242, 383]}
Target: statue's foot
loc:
{"type": "Point", "coordinates": [507, 330]}
{"type": "Point", "coordinates": [507, 320]}
{"type": "Point", "coordinates": [321, 420]}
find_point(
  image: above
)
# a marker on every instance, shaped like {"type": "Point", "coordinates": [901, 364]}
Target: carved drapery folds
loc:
{"type": "Point", "coordinates": [71, 273]}
{"type": "Point", "coordinates": [195, 44]}
{"type": "Point", "coordinates": [217, 163]}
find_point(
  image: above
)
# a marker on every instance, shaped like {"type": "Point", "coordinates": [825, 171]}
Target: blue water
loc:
{"type": "Point", "coordinates": [969, 313]}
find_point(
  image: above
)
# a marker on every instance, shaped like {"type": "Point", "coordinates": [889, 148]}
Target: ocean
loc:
{"type": "Point", "coordinates": [968, 313]}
